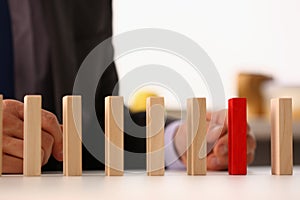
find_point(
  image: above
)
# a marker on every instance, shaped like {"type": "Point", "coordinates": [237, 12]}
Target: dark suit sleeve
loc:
{"type": "Point", "coordinates": [91, 29]}
{"type": "Point", "coordinates": [76, 28]}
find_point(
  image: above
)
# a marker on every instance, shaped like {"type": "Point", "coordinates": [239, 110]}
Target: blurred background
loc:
{"type": "Point", "coordinates": [255, 45]}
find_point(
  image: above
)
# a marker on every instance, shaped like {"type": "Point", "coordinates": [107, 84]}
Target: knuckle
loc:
{"type": "Point", "coordinates": [50, 118]}
{"type": "Point", "coordinates": [9, 104]}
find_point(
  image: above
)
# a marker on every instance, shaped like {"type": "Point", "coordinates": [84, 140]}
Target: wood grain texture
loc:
{"type": "Point", "coordinates": [72, 136]}
{"type": "Point", "coordinates": [32, 135]}
{"type": "Point", "coordinates": [1, 132]}
{"type": "Point", "coordinates": [196, 136]}
{"type": "Point", "coordinates": [281, 136]}
{"type": "Point", "coordinates": [114, 136]}
{"type": "Point", "coordinates": [237, 136]}
{"type": "Point", "coordinates": [155, 136]}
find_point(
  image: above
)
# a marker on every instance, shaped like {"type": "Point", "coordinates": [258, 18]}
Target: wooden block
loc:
{"type": "Point", "coordinates": [196, 136]}
{"type": "Point", "coordinates": [32, 135]}
{"type": "Point", "coordinates": [114, 136]}
{"type": "Point", "coordinates": [72, 136]}
{"type": "Point", "coordinates": [281, 136]}
{"type": "Point", "coordinates": [1, 132]}
{"type": "Point", "coordinates": [237, 136]}
{"type": "Point", "coordinates": [155, 136]}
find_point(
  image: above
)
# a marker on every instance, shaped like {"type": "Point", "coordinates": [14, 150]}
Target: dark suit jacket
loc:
{"type": "Point", "coordinates": [75, 27]}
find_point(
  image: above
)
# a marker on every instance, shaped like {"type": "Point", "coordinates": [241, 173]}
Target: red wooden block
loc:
{"type": "Point", "coordinates": [237, 136]}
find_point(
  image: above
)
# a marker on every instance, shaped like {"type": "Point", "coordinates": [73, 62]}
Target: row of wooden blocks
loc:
{"type": "Point", "coordinates": [281, 136]}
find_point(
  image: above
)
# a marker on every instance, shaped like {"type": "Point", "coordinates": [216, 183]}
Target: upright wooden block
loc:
{"type": "Point", "coordinates": [237, 136]}
{"type": "Point", "coordinates": [72, 136]}
{"type": "Point", "coordinates": [281, 136]}
{"type": "Point", "coordinates": [155, 136]}
{"type": "Point", "coordinates": [114, 136]}
{"type": "Point", "coordinates": [32, 135]}
{"type": "Point", "coordinates": [1, 132]}
{"type": "Point", "coordinates": [196, 136]}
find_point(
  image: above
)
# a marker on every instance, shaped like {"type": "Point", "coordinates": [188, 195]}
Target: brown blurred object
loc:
{"type": "Point", "coordinates": [249, 86]}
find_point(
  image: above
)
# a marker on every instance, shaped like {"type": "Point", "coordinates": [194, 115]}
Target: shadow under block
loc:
{"type": "Point", "coordinates": [72, 136]}
{"type": "Point", "coordinates": [1, 132]}
{"type": "Point", "coordinates": [237, 136]}
{"type": "Point", "coordinates": [32, 135]}
{"type": "Point", "coordinates": [281, 136]}
{"type": "Point", "coordinates": [155, 136]}
{"type": "Point", "coordinates": [114, 136]}
{"type": "Point", "coordinates": [196, 136]}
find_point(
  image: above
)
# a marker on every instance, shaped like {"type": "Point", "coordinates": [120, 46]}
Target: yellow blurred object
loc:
{"type": "Point", "coordinates": [138, 102]}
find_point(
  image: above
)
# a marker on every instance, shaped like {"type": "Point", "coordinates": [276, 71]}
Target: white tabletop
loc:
{"type": "Point", "coordinates": [258, 184]}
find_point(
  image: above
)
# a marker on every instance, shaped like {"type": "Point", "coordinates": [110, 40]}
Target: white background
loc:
{"type": "Point", "coordinates": [239, 35]}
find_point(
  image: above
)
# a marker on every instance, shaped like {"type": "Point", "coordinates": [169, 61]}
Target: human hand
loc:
{"type": "Point", "coordinates": [13, 120]}
{"type": "Point", "coordinates": [217, 141]}
{"type": "Point", "coordinates": [217, 159]}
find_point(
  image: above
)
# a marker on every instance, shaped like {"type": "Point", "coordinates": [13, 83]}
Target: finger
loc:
{"type": "Point", "coordinates": [14, 107]}
{"type": "Point", "coordinates": [47, 145]}
{"type": "Point", "coordinates": [42, 156]}
{"type": "Point", "coordinates": [213, 134]}
{"type": "Point", "coordinates": [251, 142]}
{"type": "Point", "coordinates": [208, 116]}
{"type": "Point", "coordinates": [213, 163]}
{"type": "Point", "coordinates": [250, 157]}
{"type": "Point", "coordinates": [219, 117]}
{"type": "Point", "coordinates": [220, 151]}
{"type": "Point", "coordinates": [217, 125]}
{"type": "Point", "coordinates": [221, 147]}
{"type": "Point", "coordinates": [50, 125]}
{"type": "Point", "coordinates": [12, 164]}
{"type": "Point", "coordinates": [221, 162]}
{"type": "Point", "coordinates": [12, 126]}
{"type": "Point", "coordinates": [13, 146]}
{"type": "Point", "coordinates": [214, 131]}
